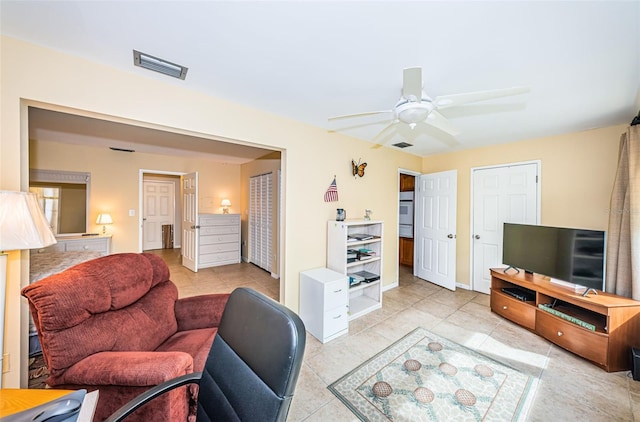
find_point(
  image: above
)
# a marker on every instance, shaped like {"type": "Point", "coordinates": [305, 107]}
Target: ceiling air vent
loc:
{"type": "Point", "coordinates": [159, 65]}
{"type": "Point", "coordinates": [402, 145]}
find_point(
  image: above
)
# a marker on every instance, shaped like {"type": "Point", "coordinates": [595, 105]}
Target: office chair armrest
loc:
{"type": "Point", "coordinates": [152, 393]}
{"type": "Point", "coordinates": [204, 311]}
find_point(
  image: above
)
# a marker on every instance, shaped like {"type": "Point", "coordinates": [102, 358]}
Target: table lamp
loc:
{"type": "Point", "coordinates": [22, 226]}
{"type": "Point", "coordinates": [225, 204]}
{"type": "Point", "coordinates": [104, 219]}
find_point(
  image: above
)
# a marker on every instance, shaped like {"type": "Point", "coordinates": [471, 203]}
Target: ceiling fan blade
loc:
{"type": "Point", "coordinates": [412, 84]}
{"type": "Point", "coordinates": [385, 134]}
{"type": "Point", "coordinates": [446, 101]}
{"type": "Point", "coordinates": [431, 131]}
{"type": "Point", "coordinates": [438, 121]}
{"type": "Point", "coordinates": [369, 113]}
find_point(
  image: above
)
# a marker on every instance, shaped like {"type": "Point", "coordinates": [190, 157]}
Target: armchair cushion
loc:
{"type": "Point", "coordinates": [129, 368]}
{"type": "Point", "coordinates": [200, 311]}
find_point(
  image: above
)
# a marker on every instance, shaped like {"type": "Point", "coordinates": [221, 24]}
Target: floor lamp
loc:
{"type": "Point", "coordinates": [22, 226]}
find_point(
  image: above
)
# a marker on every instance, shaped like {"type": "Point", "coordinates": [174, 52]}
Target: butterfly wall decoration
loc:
{"type": "Point", "coordinates": [357, 169]}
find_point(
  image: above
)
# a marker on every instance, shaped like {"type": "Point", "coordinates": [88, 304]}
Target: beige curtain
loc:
{"type": "Point", "coordinates": [623, 236]}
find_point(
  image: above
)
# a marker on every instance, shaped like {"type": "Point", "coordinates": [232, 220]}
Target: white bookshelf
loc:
{"type": "Point", "coordinates": [365, 296]}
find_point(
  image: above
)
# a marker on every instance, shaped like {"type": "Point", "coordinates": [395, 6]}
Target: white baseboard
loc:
{"type": "Point", "coordinates": [390, 286]}
{"type": "Point", "coordinates": [463, 286]}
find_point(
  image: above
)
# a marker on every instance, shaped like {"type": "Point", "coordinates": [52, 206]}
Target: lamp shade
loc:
{"type": "Point", "coordinates": [225, 203]}
{"type": "Point", "coordinates": [22, 222]}
{"type": "Point", "coordinates": [104, 218]}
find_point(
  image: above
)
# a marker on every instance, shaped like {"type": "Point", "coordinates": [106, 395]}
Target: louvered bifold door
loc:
{"type": "Point", "coordinates": [260, 215]}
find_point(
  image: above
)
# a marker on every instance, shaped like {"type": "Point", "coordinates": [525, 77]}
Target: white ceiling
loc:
{"type": "Point", "coordinates": [312, 60]}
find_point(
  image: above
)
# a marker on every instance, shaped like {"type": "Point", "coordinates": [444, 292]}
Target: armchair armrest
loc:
{"type": "Point", "coordinates": [133, 369]}
{"type": "Point", "coordinates": [144, 398]}
{"type": "Point", "coordinates": [204, 311]}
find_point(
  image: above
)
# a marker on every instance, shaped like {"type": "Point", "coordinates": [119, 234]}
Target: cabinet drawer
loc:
{"type": "Point", "coordinates": [588, 344]}
{"type": "Point", "coordinates": [219, 220]}
{"type": "Point", "coordinates": [220, 238]}
{"type": "Point", "coordinates": [335, 294]}
{"type": "Point", "coordinates": [87, 245]}
{"type": "Point", "coordinates": [204, 231]}
{"type": "Point", "coordinates": [521, 313]}
{"type": "Point", "coordinates": [335, 321]}
{"type": "Point", "coordinates": [216, 258]}
{"type": "Point", "coordinates": [219, 247]}
{"type": "Point", "coordinates": [56, 247]}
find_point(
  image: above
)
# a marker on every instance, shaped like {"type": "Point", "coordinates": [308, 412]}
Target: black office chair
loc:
{"type": "Point", "coordinates": [252, 367]}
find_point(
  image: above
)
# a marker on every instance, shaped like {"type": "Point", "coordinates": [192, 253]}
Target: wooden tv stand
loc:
{"type": "Point", "coordinates": [616, 319]}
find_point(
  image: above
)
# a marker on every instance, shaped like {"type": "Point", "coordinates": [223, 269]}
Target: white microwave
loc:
{"type": "Point", "coordinates": [406, 212]}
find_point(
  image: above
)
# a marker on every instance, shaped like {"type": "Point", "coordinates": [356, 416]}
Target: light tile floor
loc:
{"type": "Point", "coordinates": [570, 387]}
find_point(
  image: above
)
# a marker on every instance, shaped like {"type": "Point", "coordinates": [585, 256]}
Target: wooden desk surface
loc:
{"type": "Point", "coordinates": [14, 400]}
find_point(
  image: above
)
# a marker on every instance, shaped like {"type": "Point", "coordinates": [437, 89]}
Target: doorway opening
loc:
{"type": "Point", "coordinates": [160, 211]}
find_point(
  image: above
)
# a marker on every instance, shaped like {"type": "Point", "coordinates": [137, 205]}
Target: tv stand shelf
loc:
{"type": "Point", "coordinates": [616, 319]}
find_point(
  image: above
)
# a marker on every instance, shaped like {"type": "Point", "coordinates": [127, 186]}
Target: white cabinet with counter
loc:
{"type": "Point", "coordinates": [324, 301]}
{"type": "Point", "coordinates": [101, 244]}
{"type": "Point", "coordinates": [219, 239]}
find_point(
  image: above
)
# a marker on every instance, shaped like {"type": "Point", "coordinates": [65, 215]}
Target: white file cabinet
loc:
{"type": "Point", "coordinates": [324, 303]}
{"type": "Point", "coordinates": [219, 237]}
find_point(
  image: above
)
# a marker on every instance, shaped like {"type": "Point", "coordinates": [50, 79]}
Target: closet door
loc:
{"type": "Point", "coordinates": [260, 215]}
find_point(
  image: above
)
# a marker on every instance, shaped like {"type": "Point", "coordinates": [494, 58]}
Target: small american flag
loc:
{"type": "Point", "coordinates": [331, 195]}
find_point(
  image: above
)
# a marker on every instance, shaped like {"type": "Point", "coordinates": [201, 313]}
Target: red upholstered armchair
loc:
{"type": "Point", "coordinates": [116, 324]}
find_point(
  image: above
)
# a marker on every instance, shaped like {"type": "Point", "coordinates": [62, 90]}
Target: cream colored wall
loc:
{"type": "Point", "coordinates": [115, 182]}
{"type": "Point", "coordinates": [311, 157]}
{"type": "Point", "coordinates": [577, 176]}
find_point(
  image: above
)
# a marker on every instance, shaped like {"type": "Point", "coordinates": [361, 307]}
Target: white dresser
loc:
{"type": "Point", "coordinates": [219, 239]}
{"type": "Point", "coordinates": [324, 303]}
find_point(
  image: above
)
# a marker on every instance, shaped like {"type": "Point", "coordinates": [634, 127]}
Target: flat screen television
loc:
{"type": "Point", "coordinates": [573, 256]}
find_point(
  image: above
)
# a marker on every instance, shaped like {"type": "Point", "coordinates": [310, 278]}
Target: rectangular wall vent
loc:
{"type": "Point", "coordinates": [159, 65]}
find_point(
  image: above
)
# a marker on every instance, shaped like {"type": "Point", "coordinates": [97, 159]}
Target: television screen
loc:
{"type": "Point", "coordinates": [572, 255]}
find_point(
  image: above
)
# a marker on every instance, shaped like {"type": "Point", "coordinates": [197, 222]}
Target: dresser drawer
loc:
{"type": "Point", "coordinates": [588, 344]}
{"type": "Point", "coordinates": [214, 230]}
{"type": "Point", "coordinates": [522, 313]}
{"type": "Point", "coordinates": [97, 245]}
{"type": "Point", "coordinates": [336, 294]}
{"type": "Point", "coordinates": [335, 321]}
{"type": "Point", "coordinates": [220, 238]}
{"type": "Point", "coordinates": [219, 258]}
{"type": "Point", "coordinates": [219, 220]}
{"type": "Point", "coordinates": [219, 247]}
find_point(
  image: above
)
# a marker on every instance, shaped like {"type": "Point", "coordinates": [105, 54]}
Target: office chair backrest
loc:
{"type": "Point", "coordinates": [254, 362]}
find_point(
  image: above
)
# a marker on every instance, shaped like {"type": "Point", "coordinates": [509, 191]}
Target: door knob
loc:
{"type": "Point", "coordinates": [477, 236]}
{"type": "Point", "coordinates": [450, 236]}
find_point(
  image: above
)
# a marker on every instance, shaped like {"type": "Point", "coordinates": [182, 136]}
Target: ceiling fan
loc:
{"type": "Point", "coordinates": [416, 109]}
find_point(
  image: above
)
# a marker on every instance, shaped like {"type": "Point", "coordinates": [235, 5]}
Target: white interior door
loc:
{"type": "Point", "coordinates": [158, 209]}
{"type": "Point", "coordinates": [435, 228]}
{"type": "Point", "coordinates": [190, 221]}
{"type": "Point", "coordinates": [505, 194]}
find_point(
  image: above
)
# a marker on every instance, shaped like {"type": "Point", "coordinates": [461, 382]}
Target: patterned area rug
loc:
{"type": "Point", "coordinates": [424, 377]}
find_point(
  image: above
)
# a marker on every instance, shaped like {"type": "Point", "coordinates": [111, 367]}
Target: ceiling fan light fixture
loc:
{"type": "Point", "coordinates": [159, 65]}
{"type": "Point", "coordinates": [413, 112]}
